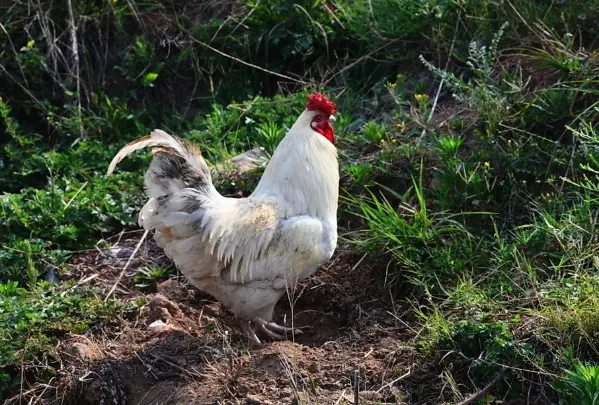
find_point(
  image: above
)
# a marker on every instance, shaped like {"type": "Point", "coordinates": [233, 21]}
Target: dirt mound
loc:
{"type": "Point", "coordinates": [184, 350]}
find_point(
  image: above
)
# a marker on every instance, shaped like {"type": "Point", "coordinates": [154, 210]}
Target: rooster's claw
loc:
{"type": "Point", "coordinates": [269, 329]}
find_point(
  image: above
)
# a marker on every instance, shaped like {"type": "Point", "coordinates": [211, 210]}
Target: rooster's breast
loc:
{"type": "Point", "coordinates": [302, 244]}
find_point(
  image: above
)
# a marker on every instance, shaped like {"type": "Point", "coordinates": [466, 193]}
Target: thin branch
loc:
{"type": "Point", "coordinates": [359, 262]}
{"type": "Point", "coordinates": [390, 383]}
{"type": "Point", "coordinates": [126, 265]}
{"type": "Point", "coordinates": [356, 386]}
{"type": "Point", "coordinates": [247, 63]}
{"type": "Point", "coordinates": [75, 50]}
{"type": "Point", "coordinates": [362, 58]}
{"type": "Point", "coordinates": [480, 394]}
{"type": "Point", "coordinates": [12, 45]}
{"type": "Point", "coordinates": [430, 116]}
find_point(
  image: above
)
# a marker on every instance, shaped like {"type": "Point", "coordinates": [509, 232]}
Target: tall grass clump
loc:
{"type": "Point", "coordinates": [518, 149]}
{"type": "Point", "coordinates": [580, 385]}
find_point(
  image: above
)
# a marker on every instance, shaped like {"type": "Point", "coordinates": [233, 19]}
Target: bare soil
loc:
{"type": "Point", "coordinates": [184, 349]}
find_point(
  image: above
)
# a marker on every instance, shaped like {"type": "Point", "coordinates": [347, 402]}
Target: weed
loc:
{"type": "Point", "coordinates": [360, 173]}
{"type": "Point", "coordinates": [269, 135]}
{"type": "Point", "coordinates": [374, 132]}
{"type": "Point", "coordinates": [148, 278]}
{"type": "Point", "coordinates": [416, 237]}
{"type": "Point", "coordinates": [579, 385]}
{"type": "Point", "coordinates": [483, 92]}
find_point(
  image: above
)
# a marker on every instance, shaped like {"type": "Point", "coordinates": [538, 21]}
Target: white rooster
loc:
{"type": "Point", "coordinates": [246, 251]}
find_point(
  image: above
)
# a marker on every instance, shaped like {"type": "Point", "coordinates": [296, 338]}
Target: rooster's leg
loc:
{"type": "Point", "coordinates": [260, 327]}
{"type": "Point", "coordinates": [272, 329]}
{"type": "Point", "coordinates": [248, 330]}
{"type": "Point", "coordinates": [275, 327]}
{"type": "Point", "coordinates": [265, 329]}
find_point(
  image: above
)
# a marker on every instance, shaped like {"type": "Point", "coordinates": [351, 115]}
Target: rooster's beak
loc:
{"type": "Point", "coordinates": [332, 118]}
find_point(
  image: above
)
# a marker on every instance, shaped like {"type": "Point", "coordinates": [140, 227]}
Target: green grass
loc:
{"type": "Point", "coordinates": [32, 321]}
{"type": "Point", "coordinates": [580, 385]}
{"type": "Point", "coordinates": [468, 141]}
{"type": "Point", "coordinates": [147, 278]}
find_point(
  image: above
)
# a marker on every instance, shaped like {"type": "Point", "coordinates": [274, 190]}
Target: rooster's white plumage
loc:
{"type": "Point", "coordinates": [246, 251]}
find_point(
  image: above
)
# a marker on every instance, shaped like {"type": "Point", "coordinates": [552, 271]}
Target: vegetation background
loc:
{"type": "Point", "coordinates": [469, 150]}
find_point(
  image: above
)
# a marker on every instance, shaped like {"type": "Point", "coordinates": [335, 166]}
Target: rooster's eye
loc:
{"type": "Point", "coordinates": [318, 118]}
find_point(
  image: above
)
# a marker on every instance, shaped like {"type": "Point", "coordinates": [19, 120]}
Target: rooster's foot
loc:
{"type": "Point", "coordinates": [259, 326]}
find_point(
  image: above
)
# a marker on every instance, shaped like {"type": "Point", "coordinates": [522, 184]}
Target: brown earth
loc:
{"type": "Point", "coordinates": [194, 353]}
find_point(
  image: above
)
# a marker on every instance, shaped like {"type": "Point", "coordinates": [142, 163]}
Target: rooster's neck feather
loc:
{"type": "Point", "coordinates": [303, 173]}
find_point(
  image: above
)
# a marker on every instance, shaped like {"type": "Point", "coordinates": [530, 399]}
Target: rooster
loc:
{"type": "Point", "coordinates": [245, 252]}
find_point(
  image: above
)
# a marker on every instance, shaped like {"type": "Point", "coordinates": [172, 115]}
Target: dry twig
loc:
{"type": "Point", "coordinates": [247, 63]}
{"type": "Point", "coordinates": [478, 396]}
{"type": "Point", "coordinates": [356, 386]}
{"type": "Point", "coordinates": [118, 280]}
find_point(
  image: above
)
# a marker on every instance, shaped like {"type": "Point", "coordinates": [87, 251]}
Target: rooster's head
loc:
{"type": "Point", "coordinates": [323, 115]}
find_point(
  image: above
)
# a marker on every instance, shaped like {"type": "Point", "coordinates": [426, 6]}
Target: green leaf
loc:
{"type": "Point", "coordinates": [149, 78]}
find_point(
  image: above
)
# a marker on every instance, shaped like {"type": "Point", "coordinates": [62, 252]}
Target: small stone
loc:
{"type": "Point", "coordinates": [159, 302]}
{"type": "Point", "coordinates": [158, 327]}
{"type": "Point", "coordinates": [119, 252]}
{"type": "Point", "coordinates": [174, 290]}
{"type": "Point", "coordinates": [81, 351]}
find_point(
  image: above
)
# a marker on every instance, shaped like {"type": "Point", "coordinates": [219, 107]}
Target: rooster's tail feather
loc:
{"type": "Point", "coordinates": [177, 164]}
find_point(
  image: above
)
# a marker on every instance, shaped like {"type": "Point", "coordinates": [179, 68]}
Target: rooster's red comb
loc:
{"type": "Point", "coordinates": [317, 101]}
